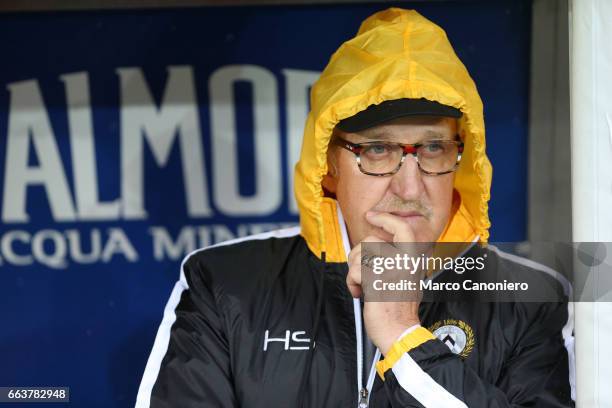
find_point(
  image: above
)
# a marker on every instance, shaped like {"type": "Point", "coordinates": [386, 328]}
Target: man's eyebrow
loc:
{"type": "Point", "coordinates": [385, 135]}
{"type": "Point", "coordinates": [432, 134]}
{"type": "Point", "coordinates": [377, 135]}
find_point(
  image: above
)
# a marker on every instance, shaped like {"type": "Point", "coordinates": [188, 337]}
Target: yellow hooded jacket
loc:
{"type": "Point", "coordinates": [396, 54]}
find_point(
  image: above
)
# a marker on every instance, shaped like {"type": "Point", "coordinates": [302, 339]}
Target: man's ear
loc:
{"type": "Point", "coordinates": [329, 183]}
{"type": "Point", "coordinates": [330, 180]}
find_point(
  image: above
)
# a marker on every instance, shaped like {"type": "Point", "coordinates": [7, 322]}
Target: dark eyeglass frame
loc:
{"type": "Point", "coordinates": [357, 148]}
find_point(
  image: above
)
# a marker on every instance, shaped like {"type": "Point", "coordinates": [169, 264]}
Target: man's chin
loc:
{"type": "Point", "coordinates": [382, 234]}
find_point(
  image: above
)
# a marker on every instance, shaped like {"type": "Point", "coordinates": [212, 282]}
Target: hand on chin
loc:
{"type": "Point", "coordinates": [384, 321]}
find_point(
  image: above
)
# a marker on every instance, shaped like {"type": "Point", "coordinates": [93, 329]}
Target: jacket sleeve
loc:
{"type": "Point", "coordinates": [189, 365]}
{"type": "Point", "coordinates": [420, 370]}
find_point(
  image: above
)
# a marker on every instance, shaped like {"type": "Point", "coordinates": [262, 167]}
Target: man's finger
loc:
{"type": "Point", "coordinates": [393, 224]}
{"type": "Point", "coordinates": [353, 278]}
{"type": "Point", "coordinates": [372, 238]}
{"type": "Point", "coordinates": [354, 288]}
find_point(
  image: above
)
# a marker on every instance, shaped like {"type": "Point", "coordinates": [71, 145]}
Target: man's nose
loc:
{"type": "Point", "coordinates": [407, 183]}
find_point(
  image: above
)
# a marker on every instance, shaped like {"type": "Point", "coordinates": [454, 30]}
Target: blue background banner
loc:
{"type": "Point", "coordinates": [130, 138]}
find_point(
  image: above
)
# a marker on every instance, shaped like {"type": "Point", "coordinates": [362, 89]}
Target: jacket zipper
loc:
{"type": "Point", "coordinates": [363, 391]}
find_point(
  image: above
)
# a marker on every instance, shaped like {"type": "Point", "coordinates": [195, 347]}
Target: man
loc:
{"type": "Point", "coordinates": [393, 151]}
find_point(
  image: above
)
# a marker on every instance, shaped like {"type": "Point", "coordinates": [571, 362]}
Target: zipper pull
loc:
{"type": "Point", "coordinates": [363, 398]}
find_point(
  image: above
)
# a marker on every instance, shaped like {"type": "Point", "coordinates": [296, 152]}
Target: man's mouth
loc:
{"type": "Point", "coordinates": [406, 214]}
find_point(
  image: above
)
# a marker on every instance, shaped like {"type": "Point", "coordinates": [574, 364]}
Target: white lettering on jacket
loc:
{"type": "Point", "coordinates": [287, 340]}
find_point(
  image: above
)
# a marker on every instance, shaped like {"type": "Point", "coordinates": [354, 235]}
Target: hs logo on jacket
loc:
{"type": "Point", "coordinates": [290, 341]}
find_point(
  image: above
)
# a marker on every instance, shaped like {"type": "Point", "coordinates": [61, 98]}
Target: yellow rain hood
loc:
{"type": "Point", "coordinates": [396, 54]}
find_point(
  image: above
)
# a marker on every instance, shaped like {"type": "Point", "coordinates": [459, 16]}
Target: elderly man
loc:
{"type": "Point", "coordinates": [393, 151]}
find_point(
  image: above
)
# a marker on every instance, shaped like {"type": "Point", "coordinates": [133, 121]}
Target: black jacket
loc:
{"type": "Point", "coordinates": [238, 332]}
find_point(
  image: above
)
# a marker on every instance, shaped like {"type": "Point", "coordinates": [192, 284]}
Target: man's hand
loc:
{"type": "Point", "coordinates": [384, 321]}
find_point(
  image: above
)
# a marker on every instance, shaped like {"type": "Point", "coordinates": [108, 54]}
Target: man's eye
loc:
{"type": "Point", "coordinates": [378, 149]}
{"type": "Point", "coordinates": [434, 147]}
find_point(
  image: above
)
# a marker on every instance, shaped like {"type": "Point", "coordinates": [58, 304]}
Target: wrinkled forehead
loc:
{"type": "Point", "coordinates": [408, 130]}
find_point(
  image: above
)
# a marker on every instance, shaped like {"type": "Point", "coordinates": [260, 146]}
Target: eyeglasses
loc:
{"type": "Point", "coordinates": [434, 157]}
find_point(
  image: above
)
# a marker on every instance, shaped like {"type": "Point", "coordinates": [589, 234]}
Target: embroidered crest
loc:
{"type": "Point", "coordinates": [456, 334]}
